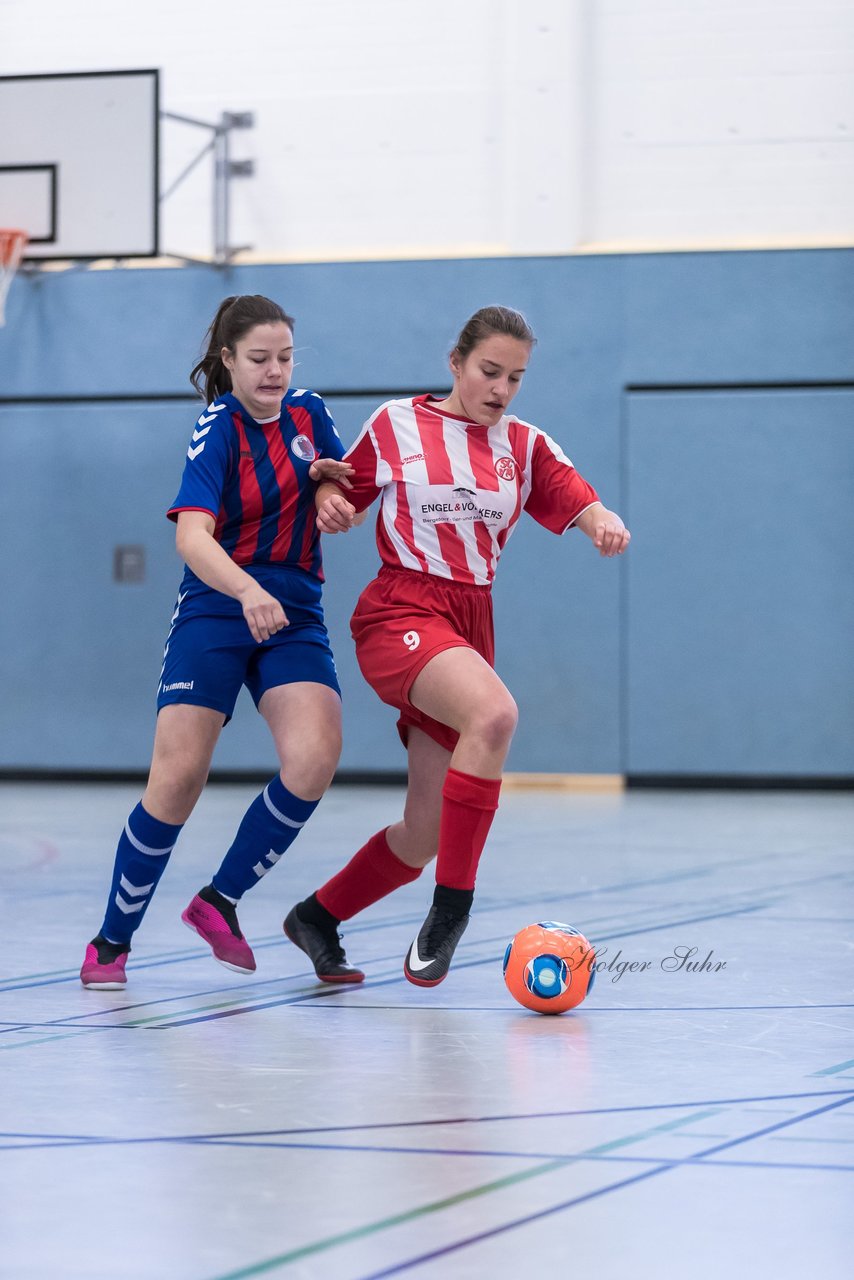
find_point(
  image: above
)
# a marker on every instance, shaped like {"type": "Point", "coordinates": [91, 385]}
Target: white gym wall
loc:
{"type": "Point", "coordinates": [390, 128]}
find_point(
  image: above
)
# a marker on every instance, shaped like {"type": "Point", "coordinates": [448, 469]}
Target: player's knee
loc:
{"type": "Point", "coordinates": [495, 722]}
{"type": "Point", "coordinates": [420, 849]}
{"type": "Point", "coordinates": [171, 794]}
{"type": "Point", "coordinates": [311, 772]}
{"type": "Point", "coordinates": [423, 858]}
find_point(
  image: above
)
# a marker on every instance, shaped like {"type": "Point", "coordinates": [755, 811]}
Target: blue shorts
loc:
{"type": "Point", "coordinates": [210, 653]}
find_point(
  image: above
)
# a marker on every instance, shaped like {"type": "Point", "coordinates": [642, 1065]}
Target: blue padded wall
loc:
{"type": "Point", "coordinates": [92, 438]}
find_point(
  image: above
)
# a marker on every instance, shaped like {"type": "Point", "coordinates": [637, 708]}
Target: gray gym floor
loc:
{"type": "Point", "coordinates": [204, 1126]}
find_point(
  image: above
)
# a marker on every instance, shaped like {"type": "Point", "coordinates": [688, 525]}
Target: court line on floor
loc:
{"type": "Point", "coordinates": [588, 1009]}
{"type": "Point", "coordinates": [276, 940]}
{"type": "Point", "coordinates": [399, 976]}
{"type": "Point", "coordinates": [233, 1009]}
{"type": "Point", "coordinates": [295, 1255]}
{"type": "Point", "coordinates": [434, 1122]}
{"type": "Point", "coordinates": [575, 1201]}
{"type": "Point", "coordinates": [448, 1202]}
{"type": "Point", "coordinates": [832, 1071]}
{"type": "Point", "coordinates": [358, 1005]}
{"type": "Point", "coordinates": [309, 1000]}
{"type": "Point", "coordinates": [58, 976]}
{"type": "Point", "coordinates": [567, 1156]}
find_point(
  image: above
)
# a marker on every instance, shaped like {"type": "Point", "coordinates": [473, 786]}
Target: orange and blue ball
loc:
{"type": "Point", "coordinates": [549, 967]}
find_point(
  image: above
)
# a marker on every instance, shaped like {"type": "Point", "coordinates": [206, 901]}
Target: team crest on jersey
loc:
{"type": "Point", "coordinates": [505, 468]}
{"type": "Point", "coordinates": [302, 447]}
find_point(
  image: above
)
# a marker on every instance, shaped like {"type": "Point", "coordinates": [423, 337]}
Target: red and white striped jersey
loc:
{"type": "Point", "coordinates": [453, 490]}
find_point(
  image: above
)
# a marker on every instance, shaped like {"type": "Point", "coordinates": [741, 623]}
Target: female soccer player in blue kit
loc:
{"type": "Point", "coordinates": [248, 612]}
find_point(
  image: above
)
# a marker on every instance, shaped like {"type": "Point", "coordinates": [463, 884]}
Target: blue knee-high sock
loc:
{"type": "Point", "coordinates": [270, 825]}
{"type": "Point", "coordinates": [141, 858]}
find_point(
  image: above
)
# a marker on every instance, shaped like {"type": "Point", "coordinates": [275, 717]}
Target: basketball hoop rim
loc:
{"type": "Point", "coordinates": [13, 242]}
{"type": "Point", "coordinates": [11, 239]}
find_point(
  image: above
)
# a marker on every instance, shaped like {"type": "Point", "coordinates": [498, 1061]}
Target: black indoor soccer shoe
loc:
{"type": "Point", "coordinates": [429, 958]}
{"type": "Point", "coordinates": [323, 948]}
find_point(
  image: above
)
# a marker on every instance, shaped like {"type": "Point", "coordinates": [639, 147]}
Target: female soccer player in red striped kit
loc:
{"type": "Point", "coordinates": [453, 475]}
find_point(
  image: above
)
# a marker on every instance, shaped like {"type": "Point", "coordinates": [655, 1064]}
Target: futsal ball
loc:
{"type": "Point", "coordinates": [549, 967]}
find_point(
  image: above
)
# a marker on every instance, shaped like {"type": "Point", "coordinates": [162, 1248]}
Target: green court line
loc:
{"type": "Point", "coordinates": [22, 1044]}
{"type": "Point", "coordinates": [436, 1206]}
{"type": "Point", "coordinates": [202, 1008]}
{"type": "Point", "coordinates": [831, 1071]}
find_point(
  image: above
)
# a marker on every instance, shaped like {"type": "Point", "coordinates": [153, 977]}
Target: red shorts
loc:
{"type": "Point", "coordinates": [402, 620]}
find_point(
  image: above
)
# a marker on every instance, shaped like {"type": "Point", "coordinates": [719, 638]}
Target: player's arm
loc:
{"type": "Point", "coordinates": [335, 514]}
{"type": "Point", "coordinates": [198, 548]}
{"type": "Point", "coordinates": [604, 528]}
{"type": "Point", "coordinates": [343, 502]}
{"type": "Point", "coordinates": [562, 499]}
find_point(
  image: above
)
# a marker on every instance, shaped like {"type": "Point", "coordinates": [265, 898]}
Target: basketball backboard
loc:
{"type": "Point", "coordinates": [79, 159]}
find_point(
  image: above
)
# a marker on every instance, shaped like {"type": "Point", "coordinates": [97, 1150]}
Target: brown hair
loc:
{"type": "Point", "coordinates": [234, 318]}
{"type": "Point", "coordinates": [491, 320]}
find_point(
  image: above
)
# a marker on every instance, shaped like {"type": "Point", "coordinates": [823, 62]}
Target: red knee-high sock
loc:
{"type": "Point", "coordinates": [371, 874]}
{"type": "Point", "coordinates": [468, 808]}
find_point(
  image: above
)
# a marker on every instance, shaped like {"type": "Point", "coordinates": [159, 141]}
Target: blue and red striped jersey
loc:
{"type": "Point", "coordinates": [252, 477]}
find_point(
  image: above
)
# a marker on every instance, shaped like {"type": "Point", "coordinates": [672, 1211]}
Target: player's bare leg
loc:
{"type": "Point", "coordinates": [459, 688]}
{"type": "Point", "coordinates": [304, 718]}
{"type": "Point", "coordinates": [305, 721]}
{"type": "Point", "coordinates": [184, 743]}
{"type": "Point", "coordinates": [415, 838]}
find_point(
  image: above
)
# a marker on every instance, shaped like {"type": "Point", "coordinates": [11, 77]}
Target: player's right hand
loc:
{"type": "Point", "coordinates": [263, 613]}
{"type": "Point", "coordinates": [335, 514]}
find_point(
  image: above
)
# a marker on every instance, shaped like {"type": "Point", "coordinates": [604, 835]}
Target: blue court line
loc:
{"type": "Point", "coordinates": [587, 1196]}
{"type": "Point", "coordinates": [465, 964]}
{"type": "Point", "coordinates": [568, 1156]}
{"type": "Point", "coordinates": [176, 957]}
{"type": "Point", "coordinates": [180, 957]}
{"type": "Point", "coordinates": [810, 919]}
{"type": "Point", "coordinates": [501, 1011]}
{"type": "Point", "coordinates": [57, 1142]}
{"type": "Point", "coordinates": [589, 1009]}
{"type": "Point", "coordinates": [172, 958]}
{"type": "Point", "coordinates": [846, 1142]}
{"type": "Point", "coordinates": [62, 1138]}
{"type": "Point", "coordinates": [397, 978]}
{"type": "Point", "coordinates": [433, 1122]}
{"type": "Point", "coordinates": [51, 976]}
{"type": "Point", "coordinates": [106, 1010]}
{"type": "Point", "coordinates": [773, 1128]}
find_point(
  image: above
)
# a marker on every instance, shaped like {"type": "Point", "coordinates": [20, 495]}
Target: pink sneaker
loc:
{"type": "Point", "coordinates": [104, 965]}
{"type": "Point", "coordinates": [214, 918]}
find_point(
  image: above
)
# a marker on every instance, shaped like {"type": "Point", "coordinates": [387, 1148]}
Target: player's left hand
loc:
{"type": "Point", "coordinates": [610, 535]}
{"type": "Point", "coordinates": [335, 514]}
{"type": "Point", "coordinates": [331, 469]}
